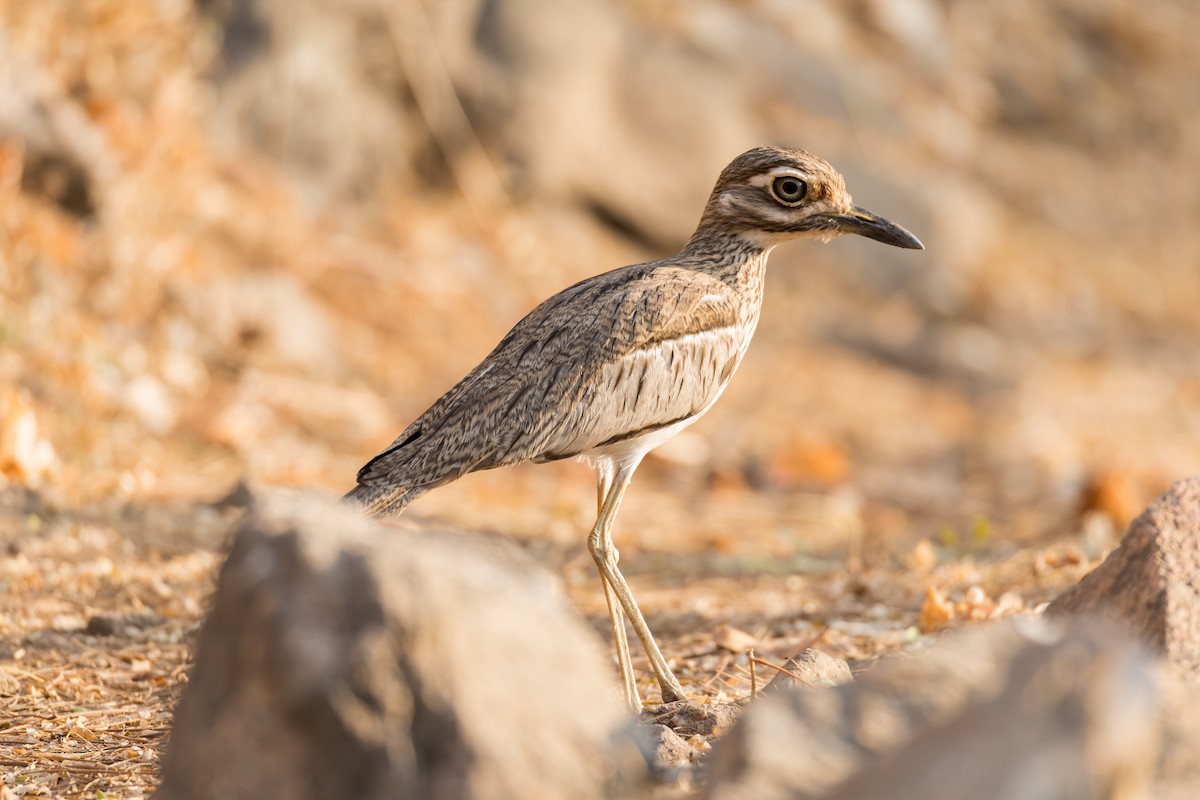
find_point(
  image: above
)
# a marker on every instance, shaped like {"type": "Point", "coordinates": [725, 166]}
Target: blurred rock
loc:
{"type": "Point", "coordinates": [64, 152]}
{"type": "Point", "coordinates": [348, 120]}
{"type": "Point", "coordinates": [1151, 582]}
{"type": "Point", "coordinates": [425, 86]}
{"type": "Point", "coordinates": [669, 748]}
{"type": "Point", "coordinates": [1077, 718]}
{"type": "Point", "coordinates": [626, 122]}
{"type": "Point", "coordinates": [1075, 693]}
{"type": "Point", "coordinates": [271, 317]}
{"type": "Point", "coordinates": [109, 625]}
{"type": "Point", "coordinates": [689, 719]}
{"type": "Point", "coordinates": [812, 669]}
{"type": "Point", "coordinates": [101, 625]}
{"type": "Point", "coordinates": [1178, 775]}
{"type": "Point", "coordinates": [343, 659]}
{"type": "Point", "coordinates": [240, 496]}
{"type": "Point", "coordinates": [59, 179]}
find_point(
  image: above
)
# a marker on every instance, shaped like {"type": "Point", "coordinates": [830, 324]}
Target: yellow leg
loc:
{"type": "Point", "coordinates": [604, 554]}
{"type": "Point", "coordinates": [615, 614]}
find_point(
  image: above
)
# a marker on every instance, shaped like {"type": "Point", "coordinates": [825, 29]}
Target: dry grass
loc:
{"type": "Point", "coordinates": [95, 627]}
{"type": "Point", "coordinates": [98, 614]}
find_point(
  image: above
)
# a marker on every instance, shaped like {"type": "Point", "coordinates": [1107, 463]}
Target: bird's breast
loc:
{"type": "Point", "coordinates": [646, 396]}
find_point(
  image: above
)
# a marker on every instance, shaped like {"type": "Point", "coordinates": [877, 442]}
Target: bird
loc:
{"type": "Point", "coordinates": [616, 364]}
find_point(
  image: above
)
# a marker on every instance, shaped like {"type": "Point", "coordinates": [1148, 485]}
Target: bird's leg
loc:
{"type": "Point", "coordinates": [600, 546]}
{"type": "Point", "coordinates": [615, 614]}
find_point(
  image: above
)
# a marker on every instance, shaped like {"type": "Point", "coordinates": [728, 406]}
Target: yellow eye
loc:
{"type": "Point", "coordinates": [789, 190]}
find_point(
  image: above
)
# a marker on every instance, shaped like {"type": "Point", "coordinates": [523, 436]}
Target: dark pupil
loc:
{"type": "Point", "coordinates": [790, 189]}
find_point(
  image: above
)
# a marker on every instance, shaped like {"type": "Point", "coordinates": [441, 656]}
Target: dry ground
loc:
{"type": "Point", "coordinates": [99, 610]}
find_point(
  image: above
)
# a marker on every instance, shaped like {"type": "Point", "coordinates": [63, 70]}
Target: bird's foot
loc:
{"type": "Point", "coordinates": [688, 717]}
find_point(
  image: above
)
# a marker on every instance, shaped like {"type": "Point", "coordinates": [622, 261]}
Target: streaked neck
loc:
{"type": "Point", "coordinates": [732, 257]}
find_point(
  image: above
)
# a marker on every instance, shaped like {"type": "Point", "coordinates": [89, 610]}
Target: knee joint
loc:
{"type": "Point", "coordinates": [597, 548]}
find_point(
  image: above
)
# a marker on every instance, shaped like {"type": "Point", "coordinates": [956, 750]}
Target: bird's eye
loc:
{"type": "Point", "coordinates": [788, 189]}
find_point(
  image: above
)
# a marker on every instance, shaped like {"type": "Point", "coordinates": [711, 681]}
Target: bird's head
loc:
{"type": "Point", "coordinates": [772, 194]}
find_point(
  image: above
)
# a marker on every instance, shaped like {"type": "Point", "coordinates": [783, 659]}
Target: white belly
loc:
{"type": "Point", "coordinates": [703, 354]}
{"type": "Point", "coordinates": [628, 453]}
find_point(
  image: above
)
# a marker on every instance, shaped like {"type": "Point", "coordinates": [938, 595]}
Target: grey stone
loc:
{"type": "Point", "coordinates": [670, 749]}
{"type": "Point", "coordinates": [347, 659]}
{"type": "Point", "coordinates": [810, 669]}
{"type": "Point", "coordinates": [1151, 581]}
{"type": "Point", "coordinates": [1017, 698]}
{"type": "Point", "coordinates": [1077, 718]}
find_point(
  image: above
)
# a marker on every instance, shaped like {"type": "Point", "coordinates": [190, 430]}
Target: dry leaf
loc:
{"type": "Point", "coordinates": [80, 732]}
{"type": "Point", "coordinates": [733, 640]}
{"type": "Point", "coordinates": [936, 613]}
{"type": "Point", "coordinates": [25, 455]}
{"type": "Point", "coordinates": [976, 606]}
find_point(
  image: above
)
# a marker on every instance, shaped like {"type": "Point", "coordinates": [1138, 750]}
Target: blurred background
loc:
{"type": "Point", "coordinates": [256, 238]}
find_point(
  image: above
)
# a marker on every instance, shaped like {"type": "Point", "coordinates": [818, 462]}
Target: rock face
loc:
{"type": "Point", "coordinates": [1151, 582]}
{"type": "Point", "coordinates": [1075, 719]}
{"type": "Point", "coordinates": [346, 659]}
{"type": "Point", "coordinates": [1019, 709]}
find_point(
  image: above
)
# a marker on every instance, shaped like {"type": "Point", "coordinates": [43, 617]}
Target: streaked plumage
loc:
{"type": "Point", "coordinates": [613, 356]}
{"type": "Point", "coordinates": [610, 367]}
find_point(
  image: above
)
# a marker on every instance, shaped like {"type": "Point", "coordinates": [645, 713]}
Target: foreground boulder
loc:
{"type": "Point", "coordinates": [1151, 582]}
{"type": "Point", "coordinates": [1018, 709]}
{"type": "Point", "coordinates": [347, 659]}
{"type": "Point", "coordinates": [1076, 719]}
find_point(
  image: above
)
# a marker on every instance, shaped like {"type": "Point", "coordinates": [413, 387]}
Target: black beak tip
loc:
{"type": "Point", "coordinates": [873, 226]}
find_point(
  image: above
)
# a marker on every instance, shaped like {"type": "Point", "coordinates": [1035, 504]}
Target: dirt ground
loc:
{"type": "Point", "coordinates": [913, 442]}
{"type": "Point", "coordinates": [100, 610]}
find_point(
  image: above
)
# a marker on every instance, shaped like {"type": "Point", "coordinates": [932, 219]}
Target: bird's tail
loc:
{"type": "Point", "coordinates": [382, 500]}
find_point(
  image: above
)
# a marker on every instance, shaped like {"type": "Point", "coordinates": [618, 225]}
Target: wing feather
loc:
{"type": "Point", "coordinates": [605, 359]}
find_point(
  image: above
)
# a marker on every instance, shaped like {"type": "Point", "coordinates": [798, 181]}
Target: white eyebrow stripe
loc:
{"type": "Point", "coordinates": [767, 177]}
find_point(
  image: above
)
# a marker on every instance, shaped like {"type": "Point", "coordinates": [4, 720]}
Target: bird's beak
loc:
{"type": "Point", "coordinates": [864, 223]}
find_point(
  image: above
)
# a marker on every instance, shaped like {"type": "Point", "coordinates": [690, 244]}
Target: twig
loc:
{"type": "Point", "coordinates": [720, 670]}
{"type": "Point", "coordinates": [775, 667]}
{"type": "Point", "coordinates": [25, 674]}
{"type": "Point", "coordinates": [753, 677]}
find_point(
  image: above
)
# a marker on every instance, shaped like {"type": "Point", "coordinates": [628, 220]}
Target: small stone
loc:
{"type": "Point", "coordinates": [670, 749]}
{"type": "Point", "coordinates": [688, 718]}
{"type": "Point", "coordinates": [810, 669]}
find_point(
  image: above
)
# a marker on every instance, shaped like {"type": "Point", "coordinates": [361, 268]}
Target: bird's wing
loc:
{"type": "Point", "coordinates": [604, 360]}
{"type": "Point", "coordinates": [680, 339]}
